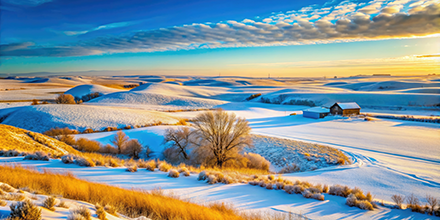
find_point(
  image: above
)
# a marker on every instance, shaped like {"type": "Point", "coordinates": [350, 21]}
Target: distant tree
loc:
{"type": "Point", "coordinates": [133, 148]}
{"type": "Point", "coordinates": [65, 99]}
{"type": "Point", "coordinates": [222, 133]}
{"type": "Point", "coordinates": [180, 139]}
{"type": "Point", "coordinates": [119, 141]}
{"type": "Point", "coordinates": [148, 151]}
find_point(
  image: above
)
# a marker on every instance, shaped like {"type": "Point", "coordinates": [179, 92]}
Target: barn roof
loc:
{"type": "Point", "coordinates": [348, 105]}
{"type": "Point", "coordinates": [317, 110]}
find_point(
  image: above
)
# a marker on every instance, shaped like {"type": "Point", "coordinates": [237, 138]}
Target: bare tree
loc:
{"type": "Point", "coordinates": [133, 148]}
{"type": "Point", "coordinates": [180, 139]}
{"type": "Point", "coordinates": [148, 151]}
{"type": "Point", "coordinates": [398, 199]}
{"type": "Point", "coordinates": [432, 201]}
{"type": "Point", "coordinates": [222, 133]}
{"type": "Point", "coordinates": [119, 141]}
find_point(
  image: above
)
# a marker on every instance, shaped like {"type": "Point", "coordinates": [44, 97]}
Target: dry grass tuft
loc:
{"type": "Point", "coordinates": [173, 173]}
{"type": "Point", "coordinates": [50, 203]}
{"type": "Point", "coordinates": [63, 204]}
{"type": "Point", "coordinates": [80, 213]}
{"type": "Point", "coordinates": [25, 211]}
{"type": "Point", "coordinates": [398, 199]}
{"type": "Point", "coordinates": [100, 212]}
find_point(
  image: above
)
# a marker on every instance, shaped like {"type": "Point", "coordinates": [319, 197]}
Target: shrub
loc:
{"type": "Point", "coordinates": [108, 149]}
{"type": "Point", "coordinates": [86, 145]}
{"type": "Point", "coordinates": [290, 168]}
{"type": "Point", "coordinates": [88, 131]}
{"type": "Point", "coordinates": [164, 166]}
{"type": "Point", "coordinates": [133, 148]}
{"type": "Point", "coordinates": [13, 197]}
{"type": "Point", "coordinates": [364, 204]}
{"type": "Point", "coordinates": [88, 97]}
{"type": "Point", "coordinates": [49, 203]}
{"type": "Point", "coordinates": [25, 211]}
{"type": "Point", "coordinates": [256, 161]}
{"type": "Point", "coordinates": [100, 212]}
{"type": "Point", "coordinates": [85, 162]}
{"type": "Point", "coordinates": [82, 211]}
{"type": "Point", "coordinates": [398, 199]}
{"type": "Point", "coordinates": [39, 155]}
{"type": "Point", "coordinates": [173, 173]}
{"type": "Point", "coordinates": [63, 204]}
{"type": "Point", "coordinates": [111, 210]}
{"type": "Point", "coordinates": [412, 201]}
{"type": "Point", "coordinates": [351, 200]}
{"type": "Point", "coordinates": [3, 203]}
{"type": "Point", "coordinates": [132, 168]}
{"type": "Point", "coordinates": [184, 171]}
{"type": "Point", "coordinates": [34, 102]}
{"type": "Point", "coordinates": [432, 202]}
{"type": "Point", "coordinates": [339, 190]}
{"type": "Point", "coordinates": [65, 99]}
{"type": "Point", "coordinates": [68, 159]}
{"type": "Point", "coordinates": [151, 165]}
{"type": "Point", "coordinates": [318, 196]}
{"type": "Point", "coordinates": [253, 96]}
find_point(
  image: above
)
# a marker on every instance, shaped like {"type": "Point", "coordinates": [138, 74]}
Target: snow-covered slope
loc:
{"type": "Point", "coordinates": [153, 101]}
{"type": "Point", "coordinates": [243, 196]}
{"type": "Point", "coordinates": [41, 118]}
{"type": "Point", "coordinates": [82, 90]}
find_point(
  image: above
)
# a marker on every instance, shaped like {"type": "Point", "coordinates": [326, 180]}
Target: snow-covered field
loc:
{"type": "Point", "coordinates": [389, 156]}
{"type": "Point", "coordinates": [244, 197]}
{"type": "Point", "coordinates": [41, 118]}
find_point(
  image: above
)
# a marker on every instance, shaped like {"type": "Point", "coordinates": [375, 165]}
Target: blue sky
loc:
{"type": "Point", "coordinates": [288, 38]}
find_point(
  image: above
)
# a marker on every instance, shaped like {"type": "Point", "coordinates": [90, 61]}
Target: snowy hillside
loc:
{"type": "Point", "coordinates": [83, 90]}
{"type": "Point", "coordinates": [153, 101]}
{"type": "Point", "coordinates": [41, 118]}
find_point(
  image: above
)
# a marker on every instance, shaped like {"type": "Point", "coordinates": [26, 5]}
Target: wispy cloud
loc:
{"type": "Point", "coordinates": [345, 22]}
{"type": "Point", "coordinates": [101, 27]}
{"type": "Point", "coordinates": [26, 2]}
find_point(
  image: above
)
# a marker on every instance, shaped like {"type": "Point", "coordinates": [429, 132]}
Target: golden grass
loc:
{"type": "Point", "coordinates": [128, 202]}
{"type": "Point", "coordinates": [13, 138]}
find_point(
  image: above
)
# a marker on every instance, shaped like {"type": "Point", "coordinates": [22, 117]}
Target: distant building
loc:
{"type": "Point", "coordinates": [316, 112]}
{"type": "Point", "coordinates": [345, 108]}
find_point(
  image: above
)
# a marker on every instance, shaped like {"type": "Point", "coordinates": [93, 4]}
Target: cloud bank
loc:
{"type": "Point", "coordinates": [346, 22]}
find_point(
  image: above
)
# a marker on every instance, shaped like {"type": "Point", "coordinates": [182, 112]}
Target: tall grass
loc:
{"type": "Point", "coordinates": [129, 202]}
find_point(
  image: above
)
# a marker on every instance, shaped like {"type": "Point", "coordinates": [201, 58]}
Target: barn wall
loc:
{"type": "Point", "coordinates": [351, 111]}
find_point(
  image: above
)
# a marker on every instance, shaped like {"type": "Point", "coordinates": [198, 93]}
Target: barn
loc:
{"type": "Point", "coordinates": [317, 112]}
{"type": "Point", "coordinates": [345, 108]}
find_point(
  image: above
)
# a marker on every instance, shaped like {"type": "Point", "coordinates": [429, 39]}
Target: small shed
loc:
{"type": "Point", "coordinates": [316, 112]}
{"type": "Point", "coordinates": [345, 108]}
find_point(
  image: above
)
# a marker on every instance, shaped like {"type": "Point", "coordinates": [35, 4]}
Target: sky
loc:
{"type": "Point", "coordinates": [283, 38]}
